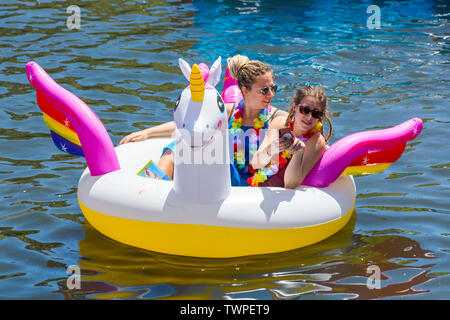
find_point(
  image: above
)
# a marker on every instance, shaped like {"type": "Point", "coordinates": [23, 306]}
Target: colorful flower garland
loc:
{"type": "Point", "coordinates": [254, 138]}
{"type": "Point", "coordinates": [265, 173]}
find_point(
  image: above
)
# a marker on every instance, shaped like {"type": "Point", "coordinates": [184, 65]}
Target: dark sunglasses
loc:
{"type": "Point", "coordinates": [265, 90]}
{"type": "Point", "coordinates": [306, 110]}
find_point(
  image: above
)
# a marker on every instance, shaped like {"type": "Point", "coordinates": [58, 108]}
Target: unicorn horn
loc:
{"type": "Point", "coordinates": [197, 84]}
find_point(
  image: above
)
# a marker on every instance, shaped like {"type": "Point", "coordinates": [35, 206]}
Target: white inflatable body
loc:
{"type": "Point", "coordinates": [146, 212]}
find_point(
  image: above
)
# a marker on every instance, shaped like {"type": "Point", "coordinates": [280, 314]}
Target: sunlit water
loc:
{"type": "Point", "coordinates": [123, 63]}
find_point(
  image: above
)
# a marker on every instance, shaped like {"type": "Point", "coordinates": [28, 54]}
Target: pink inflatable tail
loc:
{"type": "Point", "coordinates": [345, 151]}
{"type": "Point", "coordinates": [73, 119]}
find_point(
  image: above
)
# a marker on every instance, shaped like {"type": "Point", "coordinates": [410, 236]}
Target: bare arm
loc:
{"type": "Point", "coordinates": [272, 144]}
{"type": "Point", "coordinates": [304, 160]}
{"type": "Point", "coordinates": [162, 130]}
{"type": "Point", "coordinates": [264, 154]}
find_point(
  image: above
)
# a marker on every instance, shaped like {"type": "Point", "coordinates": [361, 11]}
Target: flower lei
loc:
{"type": "Point", "coordinates": [254, 138]}
{"type": "Point", "coordinates": [265, 173]}
{"type": "Point", "coordinates": [261, 175]}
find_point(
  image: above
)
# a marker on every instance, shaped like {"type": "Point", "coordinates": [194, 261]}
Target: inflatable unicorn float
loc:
{"type": "Point", "coordinates": [199, 213]}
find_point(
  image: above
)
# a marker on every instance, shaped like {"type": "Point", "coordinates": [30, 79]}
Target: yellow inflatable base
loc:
{"type": "Point", "coordinates": [363, 170]}
{"type": "Point", "coordinates": [209, 241]}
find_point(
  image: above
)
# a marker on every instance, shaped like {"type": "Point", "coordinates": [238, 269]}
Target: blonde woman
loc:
{"type": "Point", "coordinates": [252, 117]}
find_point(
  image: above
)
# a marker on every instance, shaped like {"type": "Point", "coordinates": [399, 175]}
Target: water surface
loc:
{"type": "Point", "coordinates": [123, 63]}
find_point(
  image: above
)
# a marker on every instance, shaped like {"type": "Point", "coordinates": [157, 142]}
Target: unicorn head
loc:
{"type": "Point", "coordinates": [200, 109]}
{"type": "Point", "coordinates": [201, 170]}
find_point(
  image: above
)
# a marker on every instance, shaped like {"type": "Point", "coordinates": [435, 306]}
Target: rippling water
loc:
{"type": "Point", "coordinates": [123, 63]}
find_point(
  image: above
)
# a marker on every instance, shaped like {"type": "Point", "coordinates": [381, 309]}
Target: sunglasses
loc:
{"type": "Point", "coordinates": [265, 90]}
{"type": "Point", "coordinates": [306, 110]}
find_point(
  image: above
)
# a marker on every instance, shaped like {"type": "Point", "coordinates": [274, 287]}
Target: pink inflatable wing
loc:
{"type": "Point", "coordinates": [74, 126]}
{"type": "Point", "coordinates": [373, 146]}
{"type": "Point", "coordinates": [230, 92]}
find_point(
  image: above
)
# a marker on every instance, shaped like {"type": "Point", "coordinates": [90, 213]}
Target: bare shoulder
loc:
{"type": "Point", "coordinates": [278, 119]}
{"type": "Point", "coordinates": [229, 107]}
{"type": "Point", "coordinates": [281, 113]}
{"type": "Point", "coordinates": [318, 141]}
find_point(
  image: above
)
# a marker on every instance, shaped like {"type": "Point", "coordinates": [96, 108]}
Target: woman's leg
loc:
{"type": "Point", "coordinates": [166, 163]}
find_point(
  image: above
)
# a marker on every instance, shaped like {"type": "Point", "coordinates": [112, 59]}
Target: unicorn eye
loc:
{"type": "Point", "coordinates": [220, 103]}
{"type": "Point", "coordinates": [177, 103]}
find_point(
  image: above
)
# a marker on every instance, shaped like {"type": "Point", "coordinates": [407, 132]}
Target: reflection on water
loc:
{"type": "Point", "coordinates": [123, 64]}
{"type": "Point", "coordinates": [328, 268]}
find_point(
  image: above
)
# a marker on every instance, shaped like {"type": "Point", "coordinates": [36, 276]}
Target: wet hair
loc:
{"type": "Point", "coordinates": [246, 71]}
{"type": "Point", "coordinates": [319, 94]}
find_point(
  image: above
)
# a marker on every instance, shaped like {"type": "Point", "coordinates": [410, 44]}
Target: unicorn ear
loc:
{"type": "Point", "coordinates": [185, 68]}
{"type": "Point", "coordinates": [214, 73]}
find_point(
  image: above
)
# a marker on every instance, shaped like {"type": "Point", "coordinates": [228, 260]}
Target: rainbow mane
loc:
{"type": "Point", "coordinates": [63, 134]}
{"type": "Point", "coordinates": [74, 127]}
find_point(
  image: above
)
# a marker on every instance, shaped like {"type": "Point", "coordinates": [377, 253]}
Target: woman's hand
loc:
{"type": "Point", "coordinates": [296, 146]}
{"type": "Point", "coordinates": [135, 136]}
{"type": "Point", "coordinates": [281, 144]}
{"type": "Point", "coordinates": [278, 145]}
{"type": "Point", "coordinates": [162, 130]}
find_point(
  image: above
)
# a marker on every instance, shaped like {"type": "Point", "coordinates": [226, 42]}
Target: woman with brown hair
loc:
{"type": "Point", "coordinates": [303, 143]}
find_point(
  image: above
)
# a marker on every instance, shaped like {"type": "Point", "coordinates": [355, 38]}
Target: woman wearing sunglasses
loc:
{"type": "Point", "coordinates": [303, 143]}
{"type": "Point", "coordinates": [252, 117]}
